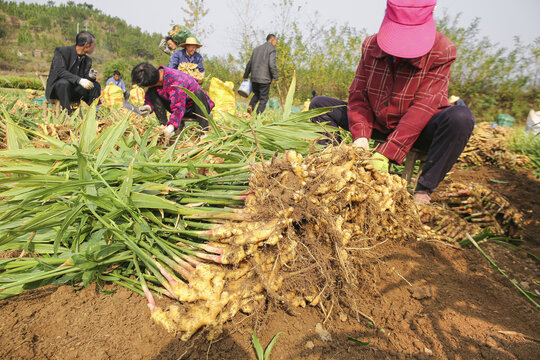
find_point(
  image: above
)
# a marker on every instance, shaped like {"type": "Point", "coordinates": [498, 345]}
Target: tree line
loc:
{"type": "Point", "coordinates": [490, 78]}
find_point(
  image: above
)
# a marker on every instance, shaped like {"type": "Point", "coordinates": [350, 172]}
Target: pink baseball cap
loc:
{"type": "Point", "coordinates": [408, 28]}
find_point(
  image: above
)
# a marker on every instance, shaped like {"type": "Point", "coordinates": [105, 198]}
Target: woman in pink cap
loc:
{"type": "Point", "coordinates": [400, 95]}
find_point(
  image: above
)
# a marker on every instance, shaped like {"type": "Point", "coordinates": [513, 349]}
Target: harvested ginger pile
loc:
{"type": "Point", "coordinates": [299, 240]}
{"type": "Point", "coordinates": [489, 146]}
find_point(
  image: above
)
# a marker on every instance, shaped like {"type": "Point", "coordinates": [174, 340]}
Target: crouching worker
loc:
{"type": "Point", "coordinates": [164, 94]}
{"type": "Point", "coordinates": [400, 95]}
{"type": "Point", "coordinates": [71, 77]}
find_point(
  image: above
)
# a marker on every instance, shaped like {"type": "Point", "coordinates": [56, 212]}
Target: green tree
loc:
{"type": "Point", "coordinates": [195, 11]}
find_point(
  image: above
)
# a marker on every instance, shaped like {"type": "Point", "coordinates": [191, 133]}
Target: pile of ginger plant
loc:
{"type": "Point", "coordinates": [298, 241]}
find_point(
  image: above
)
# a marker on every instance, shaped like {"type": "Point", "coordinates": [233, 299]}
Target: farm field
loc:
{"type": "Point", "coordinates": [417, 293]}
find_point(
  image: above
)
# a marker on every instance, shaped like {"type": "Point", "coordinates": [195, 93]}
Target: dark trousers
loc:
{"type": "Point", "coordinates": [443, 138]}
{"type": "Point", "coordinates": [67, 93]}
{"type": "Point", "coordinates": [161, 106]}
{"type": "Point", "coordinates": [260, 95]}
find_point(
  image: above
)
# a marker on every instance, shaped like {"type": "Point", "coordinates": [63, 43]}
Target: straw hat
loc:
{"type": "Point", "coordinates": [452, 99]}
{"type": "Point", "coordinates": [191, 41]}
{"type": "Point", "coordinates": [408, 28]}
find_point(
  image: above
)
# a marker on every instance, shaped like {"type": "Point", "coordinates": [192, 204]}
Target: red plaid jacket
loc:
{"type": "Point", "coordinates": [398, 101]}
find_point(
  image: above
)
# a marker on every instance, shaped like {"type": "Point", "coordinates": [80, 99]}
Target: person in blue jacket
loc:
{"type": "Point", "coordinates": [188, 54]}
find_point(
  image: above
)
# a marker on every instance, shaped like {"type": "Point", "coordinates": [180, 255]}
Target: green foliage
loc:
{"type": "Point", "coordinates": [20, 82]}
{"type": "Point", "coordinates": [263, 355]}
{"type": "Point", "coordinates": [491, 79]}
{"type": "Point", "coordinates": [195, 12]}
{"type": "Point", "coordinates": [48, 26]}
{"type": "Point", "coordinates": [24, 36]}
{"type": "Point", "coordinates": [528, 144]}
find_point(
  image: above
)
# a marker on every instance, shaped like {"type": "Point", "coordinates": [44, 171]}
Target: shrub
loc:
{"type": "Point", "coordinates": [20, 82]}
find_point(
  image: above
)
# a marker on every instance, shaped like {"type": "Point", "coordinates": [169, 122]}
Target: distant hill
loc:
{"type": "Point", "coordinates": [30, 32]}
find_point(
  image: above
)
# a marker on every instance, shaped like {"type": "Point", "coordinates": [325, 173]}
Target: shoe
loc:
{"type": "Point", "coordinates": [249, 110]}
{"type": "Point", "coordinates": [422, 197]}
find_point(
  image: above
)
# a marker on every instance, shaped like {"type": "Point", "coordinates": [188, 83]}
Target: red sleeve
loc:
{"type": "Point", "coordinates": [359, 110]}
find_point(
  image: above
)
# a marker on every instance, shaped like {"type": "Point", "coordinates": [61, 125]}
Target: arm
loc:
{"type": "Point", "coordinates": [178, 107]}
{"type": "Point", "coordinates": [272, 64]}
{"type": "Point", "coordinates": [200, 65]}
{"type": "Point", "coordinates": [359, 110]}
{"type": "Point", "coordinates": [122, 85]}
{"type": "Point", "coordinates": [61, 68]}
{"type": "Point", "coordinates": [430, 94]}
{"type": "Point", "coordinates": [248, 68]}
{"type": "Point", "coordinates": [175, 61]}
{"type": "Point", "coordinates": [147, 100]}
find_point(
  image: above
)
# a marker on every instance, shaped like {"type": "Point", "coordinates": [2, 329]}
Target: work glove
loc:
{"type": "Point", "coordinates": [362, 143]}
{"type": "Point", "coordinates": [380, 162]}
{"type": "Point", "coordinates": [92, 74]}
{"type": "Point", "coordinates": [87, 84]}
{"type": "Point", "coordinates": [168, 131]}
{"type": "Point", "coordinates": [144, 110]}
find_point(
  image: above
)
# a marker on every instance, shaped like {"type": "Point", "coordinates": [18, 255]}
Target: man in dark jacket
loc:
{"type": "Point", "coordinates": [263, 69]}
{"type": "Point", "coordinates": [71, 77]}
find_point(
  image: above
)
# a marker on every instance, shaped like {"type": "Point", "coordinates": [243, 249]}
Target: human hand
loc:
{"type": "Point", "coordinates": [380, 162]}
{"type": "Point", "coordinates": [362, 143]}
{"type": "Point", "coordinates": [144, 110]}
{"type": "Point", "coordinates": [168, 131]}
{"type": "Point", "coordinates": [92, 74]}
{"type": "Point", "coordinates": [87, 84]}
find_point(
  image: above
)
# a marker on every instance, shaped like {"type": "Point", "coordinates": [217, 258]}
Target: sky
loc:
{"type": "Point", "coordinates": [501, 20]}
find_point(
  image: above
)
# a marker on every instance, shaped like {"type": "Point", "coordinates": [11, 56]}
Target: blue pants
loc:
{"type": "Point", "coordinates": [443, 138]}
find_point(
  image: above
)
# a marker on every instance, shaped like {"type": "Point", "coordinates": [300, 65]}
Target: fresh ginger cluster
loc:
{"type": "Point", "coordinates": [306, 220]}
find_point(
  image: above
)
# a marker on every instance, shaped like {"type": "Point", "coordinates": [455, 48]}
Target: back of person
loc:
{"type": "Point", "coordinates": [260, 64]}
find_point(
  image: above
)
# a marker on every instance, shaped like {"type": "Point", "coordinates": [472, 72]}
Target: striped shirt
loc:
{"type": "Point", "coordinates": [179, 100]}
{"type": "Point", "coordinates": [398, 99]}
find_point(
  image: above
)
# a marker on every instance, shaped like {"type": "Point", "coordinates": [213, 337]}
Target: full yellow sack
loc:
{"type": "Point", "coordinates": [112, 96]}
{"type": "Point", "coordinates": [136, 96]}
{"type": "Point", "coordinates": [222, 94]}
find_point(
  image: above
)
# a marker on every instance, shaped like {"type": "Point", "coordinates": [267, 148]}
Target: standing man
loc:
{"type": "Point", "coordinates": [263, 69]}
{"type": "Point", "coordinates": [400, 95]}
{"type": "Point", "coordinates": [71, 77]}
{"type": "Point", "coordinates": [164, 94]}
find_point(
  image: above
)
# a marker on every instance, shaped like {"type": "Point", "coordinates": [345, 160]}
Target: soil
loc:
{"type": "Point", "coordinates": [426, 299]}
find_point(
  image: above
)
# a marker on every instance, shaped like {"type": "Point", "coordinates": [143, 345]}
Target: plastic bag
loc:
{"type": "Point", "coordinates": [222, 94]}
{"type": "Point", "coordinates": [273, 103]}
{"type": "Point", "coordinates": [505, 120]}
{"type": "Point", "coordinates": [136, 95]}
{"type": "Point", "coordinates": [533, 122]}
{"type": "Point", "coordinates": [112, 96]}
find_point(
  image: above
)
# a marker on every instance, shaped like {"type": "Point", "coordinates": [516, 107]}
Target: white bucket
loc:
{"type": "Point", "coordinates": [245, 88]}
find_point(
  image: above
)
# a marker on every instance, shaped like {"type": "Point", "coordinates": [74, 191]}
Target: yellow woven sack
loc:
{"type": "Point", "coordinates": [112, 96]}
{"type": "Point", "coordinates": [136, 95]}
{"type": "Point", "coordinates": [222, 94]}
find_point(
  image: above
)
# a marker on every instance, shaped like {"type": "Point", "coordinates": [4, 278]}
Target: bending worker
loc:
{"type": "Point", "coordinates": [400, 95]}
{"type": "Point", "coordinates": [164, 94]}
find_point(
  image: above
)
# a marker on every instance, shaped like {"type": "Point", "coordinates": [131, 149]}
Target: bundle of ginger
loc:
{"type": "Point", "coordinates": [298, 242]}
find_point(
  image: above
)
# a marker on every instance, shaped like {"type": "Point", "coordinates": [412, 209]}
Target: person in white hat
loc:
{"type": "Point", "coordinates": [188, 54]}
{"type": "Point", "coordinates": [400, 95]}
